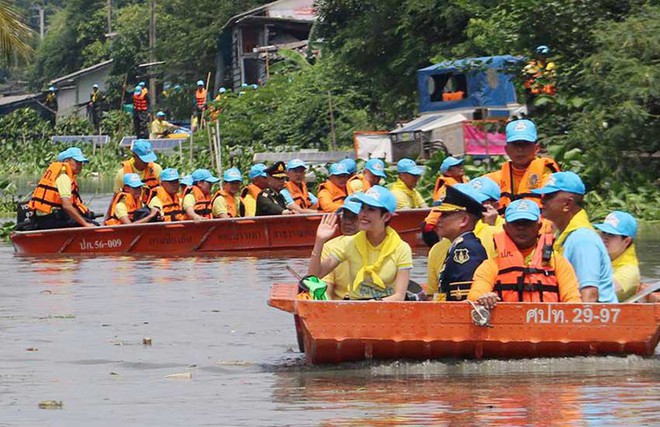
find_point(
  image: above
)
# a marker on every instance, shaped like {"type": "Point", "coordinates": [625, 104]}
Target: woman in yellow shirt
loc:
{"type": "Point", "coordinates": [379, 261]}
{"type": "Point", "coordinates": [618, 231]}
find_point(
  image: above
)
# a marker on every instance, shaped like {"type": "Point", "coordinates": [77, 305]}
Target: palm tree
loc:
{"type": "Point", "coordinates": [14, 34]}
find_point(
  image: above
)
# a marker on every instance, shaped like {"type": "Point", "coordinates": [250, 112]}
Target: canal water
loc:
{"type": "Point", "coordinates": [143, 341]}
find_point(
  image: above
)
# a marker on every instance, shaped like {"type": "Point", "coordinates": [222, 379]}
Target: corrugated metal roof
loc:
{"type": "Point", "coordinates": [81, 72]}
{"type": "Point", "coordinates": [7, 100]}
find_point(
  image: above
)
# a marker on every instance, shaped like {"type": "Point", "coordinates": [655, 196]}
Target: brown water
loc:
{"type": "Point", "coordinates": [73, 328]}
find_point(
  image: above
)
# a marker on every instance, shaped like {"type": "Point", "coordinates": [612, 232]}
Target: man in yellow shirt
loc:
{"type": "Point", "coordinates": [372, 173]}
{"type": "Point", "coordinates": [160, 127]}
{"type": "Point", "coordinates": [526, 269]}
{"type": "Point", "coordinates": [251, 191]}
{"type": "Point", "coordinates": [126, 206]}
{"type": "Point", "coordinates": [142, 163]}
{"type": "Point", "coordinates": [225, 202]}
{"type": "Point", "coordinates": [618, 232]}
{"type": "Point", "coordinates": [407, 196]}
{"type": "Point", "coordinates": [339, 278]}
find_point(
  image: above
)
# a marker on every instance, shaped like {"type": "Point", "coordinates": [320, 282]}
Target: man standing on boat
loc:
{"type": "Point", "coordinates": [563, 196]}
{"type": "Point", "coordinates": [127, 207]}
{"type": "Point", "coordinates": [339, 279]}
{"type": "Point", "coordinates": [56, 200]}
{"type": "Point", "coordinates": [459, 213]}
{"type": "Point", "coordinates": [298, 198]}
{"type": "Point", "coordinates": [250, 193]}
{"type": "Point", "coordinates": [144, 164]}
{"type": "Point", "coordinates": [197, 198]}
{"type": "Point", "coordinates": [225, 201]}
{"type": "Point", "coordinates": [407, 196]}
{"type": "Point", "coordinates": [524, 171]}
{"type": "Point", "coordinates": [270, 201]}
{"type": "Point", "coordinates": [373, 172]}
{"type": "Point", "coordinates": [526, 268]}
{"type": "Point", "coordinates": [332, 192]}
{"type": "Point", "coordinates": [165, 197]}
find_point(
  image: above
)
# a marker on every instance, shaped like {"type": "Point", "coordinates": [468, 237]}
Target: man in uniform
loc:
{"type": "Point", "coordinates": [407, 196]}
{"type": "Point", "coordinates": [51, 103]}
{"type": "Point", "coordinates": [251, 192]}
{"type": "Point", "coordinates": [144, 164]}
{"type": "Point", "coordinates": [95, 107]}
{"type": "Point", "coordinates": [578, 242]}
{"type": "Point", "coordinates": [459, 213]}
{"type": "Point", "coordinates": [270, 201]}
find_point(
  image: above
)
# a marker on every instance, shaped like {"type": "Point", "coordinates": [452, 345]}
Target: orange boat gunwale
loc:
{"type": "Point", "coordinates": [280, 232]}
{"type": "Point", "coordinates": [340, 331]}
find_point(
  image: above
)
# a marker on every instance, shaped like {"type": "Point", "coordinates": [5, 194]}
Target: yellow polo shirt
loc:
{"type": "Point", "coordinates": [340, 276]}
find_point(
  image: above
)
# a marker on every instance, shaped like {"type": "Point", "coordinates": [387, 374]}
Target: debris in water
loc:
{"type": "Point", "coordinates": [46, 292]}
{"type": "Point", "coordinates": [32, 349]}
{"type": "Point", "coordinates": [146, 341]}
{"type": "Point", "coordinates": [181, 376]}
{"type": "Point", "coordinates": [50, 404]}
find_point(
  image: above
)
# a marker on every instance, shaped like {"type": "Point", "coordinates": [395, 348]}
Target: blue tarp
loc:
{"type": "Point", "coordinates": [482, 91]}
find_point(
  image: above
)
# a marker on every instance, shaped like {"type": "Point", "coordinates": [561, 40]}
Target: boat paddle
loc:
{"type": "Point", "coordinates": [640, 295]}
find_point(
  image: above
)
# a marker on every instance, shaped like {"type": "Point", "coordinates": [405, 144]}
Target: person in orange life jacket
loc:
{"type": "Point", "coordinates": [524, 171]}
{"type": "Point", "coordinates": [577, 241]}
{"type": "Point", "coordinates": [526, 268]}
{"type": "Point", "coordinates": [451, 172]}
{"type": "Point", "coordinates": [541, 77]}
{"type": "Point", "coordinates": [338, 280]}
{"type": "Point", "coordinates": [350, 165]}
{"type": "Point", "coordinates": [270, 201]}
{"type": "Point", "coordinates": [142, 163]}
{"type": "Point", "coordinates": [197, 198]}
{"type": "Point", "coordinates": [56, 200]}
{"type": "Point", "coordinates": [332, 192]}
{"type": "Point", "coordinates": [407, 196]}
{"type": "Point", "coordinates": [185, 182]}
{"type": "Point", "coordinates": [201, 95]}
{"type": "Point", "coordinates": [140, 109]}
{"type": "Point", "coordinates": [225, 201]}
{"type": "Point", "coordinates": [250, 193]}
{"type": "Point", "coordinates": [166, 198]}
{"type": "Point", "coordinates": [373, 172]}
{"type": "Point", "coordinates": [298, 198]}
{"type": "Point", "coordinates": [126, 206]}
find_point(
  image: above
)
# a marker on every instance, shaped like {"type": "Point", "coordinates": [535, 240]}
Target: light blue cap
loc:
{"type": "Point", "coordinates": [52, 89]}
{"type": "Point", "coordinates": [232, 175]}
{"type": "Point", "coordinates": [470, 191]}
{"type": "Point", "coordinates": [244, 85]}
{"type": "Point", "coordinates": [543, 49]}
{"type": "Point", "coordinates": [74, 153]}
{"type": "Point", "coordinates": [296, 163]}
{"type": "Point", "coordinates": [409, 166]}
{"type": "Point", "coordinates": [95, 86]}
{"type": "Point", "coordinates": [137, 90]}
{"type": "Point", "coordinates": [338, 169]}
{"type": "Point", "coordinates": [186, 180]}
{"type": "Point", "coordinates": [160, 114]}
{"type": "Point", "coordinates": [376, 167]}
{"type": "Point", "coordinates": [142, 84]}
{"type": "Point", "coordinates": [257, 170]}
{"type": "Point", "coordinates": [379, 197]}
{"type": "Point", "coordinates": [619, 223]}
{"type": "Point", "coordinates": [133, 180]}
{"type": "Point", "coordinates": [350, 205]}
{"type": "Point", "coordinates": [562, 181]}
{"type": "Point", "coordinates": [200, 82]}
{"type": "Point", "coordinates": [449, 162]}
{"type": "Point", "coordinates": [143, 149]}
{"type": "Point", "coordinates": [204, 175]}
{"type": "Point", "coordinates": [521, 130]}
{"type": "Point", "coordinates": [255, 86]}
{"type": "Point", "coordinates": [350, 164]}
{"type": "Point", "coordinates": [222, 90]}
{"type": "Point", "coordinates": [486, 186]}
{"type": "Point", "coordinates": [522, 209]}
{"type": "Point", "coordinates": [169, 174]}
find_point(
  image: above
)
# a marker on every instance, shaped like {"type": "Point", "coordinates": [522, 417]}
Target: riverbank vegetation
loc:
{"type": "Point", "coordinates": [360, 74]}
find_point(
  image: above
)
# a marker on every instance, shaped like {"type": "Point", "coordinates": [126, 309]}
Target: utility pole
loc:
{"type": "Point", "coordinates": [152, 52]}
{"type": "Point", "coordinates": [41, 22]}
{"type": "Point", "coordinates": [109, 16]}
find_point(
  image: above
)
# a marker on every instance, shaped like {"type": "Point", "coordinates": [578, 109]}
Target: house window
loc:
{"type": "Point", "coordinates": [447, 87]}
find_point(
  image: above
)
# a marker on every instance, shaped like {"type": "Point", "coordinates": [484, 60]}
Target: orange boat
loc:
{"type": "Point", "coordinates": [186, 237]}
{"type": "Point", "coordinates": [341, 331]}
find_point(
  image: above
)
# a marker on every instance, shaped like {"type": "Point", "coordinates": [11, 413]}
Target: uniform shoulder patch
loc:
{"type": "Point", "coordinates": [462, 255]}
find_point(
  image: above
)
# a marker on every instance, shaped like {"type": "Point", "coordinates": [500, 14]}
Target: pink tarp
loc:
{"type": "Point", "coordinates": [475, 141]}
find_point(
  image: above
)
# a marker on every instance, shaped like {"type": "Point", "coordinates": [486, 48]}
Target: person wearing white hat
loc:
{"type": "Point", "coordinates": [94, 107]}
{"type": "Point", "coordinates": [51, 103]}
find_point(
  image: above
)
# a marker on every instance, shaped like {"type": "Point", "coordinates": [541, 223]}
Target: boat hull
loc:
{"type": "Point", "coordinates": [186, 237]}
{"type": "Point", "coordinates": [341, 331]}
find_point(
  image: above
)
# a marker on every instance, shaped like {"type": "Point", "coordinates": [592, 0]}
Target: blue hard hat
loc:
{"type": "Point", "coordinates": [377, 196]}
{"type": "Point", "coordinates": [232, 175]}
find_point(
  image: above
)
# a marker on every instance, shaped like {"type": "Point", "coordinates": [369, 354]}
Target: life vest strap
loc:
{"type": "Point", "coordinates": [527, 270]}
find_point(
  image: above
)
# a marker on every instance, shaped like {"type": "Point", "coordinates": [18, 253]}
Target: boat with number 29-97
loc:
{"type": "Point", "coordinates": [264, 233]}
{"type": "Point", "coordinates": [342, 331]}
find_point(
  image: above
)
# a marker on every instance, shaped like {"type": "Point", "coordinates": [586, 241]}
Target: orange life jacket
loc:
{"type": "Point", "coordinates": [299, 194]}
{"type": "Point", "coordinates": [442, 183]}
{"type": "Point", "coordinates": [203, 206]}
{"type": "Point", "coordinates": [140, 102]}
{"type": "Point", "coordinates": [46, 197]}
{"type": "Point", "coordinates": [230, 201]}
{"type": "Point", "coordinates": [131, 206]}
{"type": "Point", "coordinates": [338, 194]}
{"type": "Point", "coordinates": [251, 189]}
{"type": "Point", "coordinates": [365, 183]}
{"type": "Point", "coordinates": [150, 179]}
{"type": "Point", "coordinates": [172, 210]}
{"type": "Point", "coordinates": [532, 179]}
{"type": "Point", "coordinates": [200, 98]}
{"type": "Point", "coordinates": [517, 282]}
